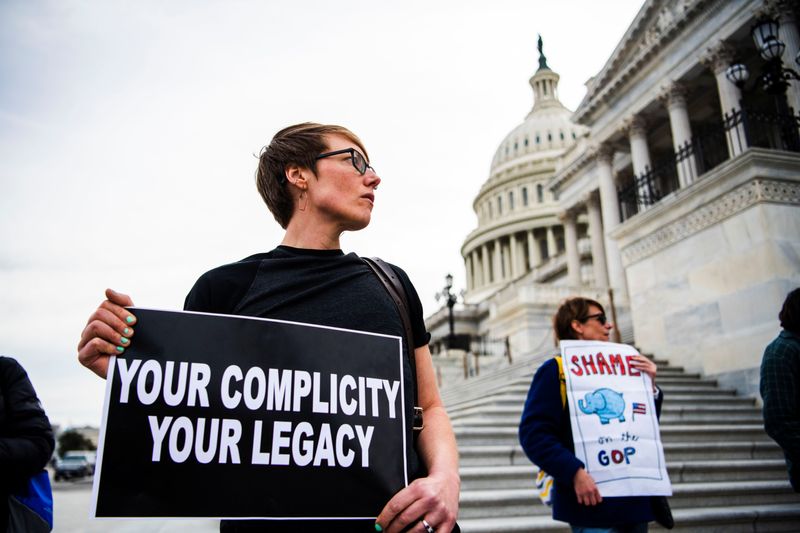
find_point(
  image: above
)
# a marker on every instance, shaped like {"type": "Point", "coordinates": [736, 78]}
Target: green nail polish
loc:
{"type": "Point", "coordinates": [126, 331]}
{"type": "Point", "coordinates": [120, 349]}
{"type": "Point", "coordinates": [378, 527]}
{"type": "Point", "coordinates": [129, 320]}
{"type": "Point", "coordinates": [123, 340]}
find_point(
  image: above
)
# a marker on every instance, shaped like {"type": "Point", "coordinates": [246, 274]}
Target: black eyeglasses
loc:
{"type": "Point", "coordinates": [359, 163]}
{"type": "Point", "coordinates": [601, 317]}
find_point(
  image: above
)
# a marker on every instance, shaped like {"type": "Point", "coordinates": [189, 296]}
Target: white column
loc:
{"type": "Point", "coordinates": [567, 219]}
{"type": "Point", "coordinates": [514, 267]}
{"type": "Point", "coordinates": [609, 204]}
{"type": "Point", "coordinates": [477, 269]}
{"type": "Point", "coordinates": [674, 97]}
{"type": "Point", "coordinates": [789, 35]}
{"type": "Point", "coordinates": [596, 235]}
{"type": "Point", "coordinates": [534, 254]}
{"type": "Point", "coordinates": [487, 279]}
{"type": "Point", "coordinates": [718, 58]}
{"type": "Point", "coordinates": [506, 262]}
{"type": "Point", "coordinates": [470, 271]}
{"type": "Point", "coordinates": [637, 135]}
{"type": "Point", "coordinates": [640, 157]}
{"type": "Point", "coordinates": [497, 265]}
{"type": "Point", "coordinates": [552, 247]}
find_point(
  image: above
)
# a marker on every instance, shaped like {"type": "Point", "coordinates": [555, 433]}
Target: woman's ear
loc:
{"type": "Point", "coordinates": [295, 175]}
{"type": "Point", "coordinates": [577, 327]}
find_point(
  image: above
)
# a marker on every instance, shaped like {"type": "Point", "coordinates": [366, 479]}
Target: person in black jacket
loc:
{"type": "Point", "coordinates": [26, 437]}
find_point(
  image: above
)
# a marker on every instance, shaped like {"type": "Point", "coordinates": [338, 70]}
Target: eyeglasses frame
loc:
{"type": "Point", "coordinates": [601, 317]}
{"type": "Point", "coordinates": [352, 152]}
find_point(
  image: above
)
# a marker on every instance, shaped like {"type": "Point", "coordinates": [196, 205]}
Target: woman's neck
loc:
{"type": "Point", "coordinates": [310, 238]}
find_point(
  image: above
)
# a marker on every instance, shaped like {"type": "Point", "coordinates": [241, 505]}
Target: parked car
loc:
{"type": "Point", "coordinates": [73, 467]}
{"type": "Point", "coordinates": [89, 455]}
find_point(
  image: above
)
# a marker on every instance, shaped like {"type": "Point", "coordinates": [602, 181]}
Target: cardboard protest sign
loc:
{"type": "Point", "coordinates": [613, 418]}
{"type": "Point", "coordinates": [233, 417]}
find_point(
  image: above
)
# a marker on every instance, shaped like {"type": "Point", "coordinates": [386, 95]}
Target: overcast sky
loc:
{"type": "Point", "coordinates": [128, 132]}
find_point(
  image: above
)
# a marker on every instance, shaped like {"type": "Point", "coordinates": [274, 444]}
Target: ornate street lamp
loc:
{"type": "Point", "coordinates": [764, 30]}
{"type": "Point", "coordinates": [737, 74]}
{"type": "Point", "coordinates": [450, 300]}
{"type": "Point", "coordinates": [774, 78]}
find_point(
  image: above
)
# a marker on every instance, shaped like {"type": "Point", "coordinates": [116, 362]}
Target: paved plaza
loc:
{"type": "Point", "coordinates": [72, 501]}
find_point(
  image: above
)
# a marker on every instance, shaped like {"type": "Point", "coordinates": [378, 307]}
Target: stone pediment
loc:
{"type": "Point", "coordinates": [657, 24]}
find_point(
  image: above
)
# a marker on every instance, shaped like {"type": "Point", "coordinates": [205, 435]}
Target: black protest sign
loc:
{"type": "Point", "coordinates": [233, 417]}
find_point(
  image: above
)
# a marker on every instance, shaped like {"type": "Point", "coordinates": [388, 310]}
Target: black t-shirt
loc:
{"type": "Point", "coordinates": [324, 287]}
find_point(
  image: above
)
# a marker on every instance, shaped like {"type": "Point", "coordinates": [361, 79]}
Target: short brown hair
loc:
{"type": "Point", "coordinates": [300, 145]}
{"type": "Point", "coordinates": [576, 308]}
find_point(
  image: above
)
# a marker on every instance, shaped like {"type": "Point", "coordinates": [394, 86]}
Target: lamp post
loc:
{"type": "Point", "coordinates": [450, 300]}
{"type": "Point", "coordinates": [774, 78]}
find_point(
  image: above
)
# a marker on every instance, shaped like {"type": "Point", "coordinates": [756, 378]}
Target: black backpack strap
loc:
{"type": "Point", "coordinates": [397, 292]}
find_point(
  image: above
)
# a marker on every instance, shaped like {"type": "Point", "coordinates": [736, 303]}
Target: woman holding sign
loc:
{"type": "Point", "coordinates": [546, 434]}
{"type": "Point", "coordinates": [317, 181]}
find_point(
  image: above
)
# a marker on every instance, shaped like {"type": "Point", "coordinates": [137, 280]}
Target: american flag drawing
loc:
{"type": "Point", "coordinates": [638, 409]}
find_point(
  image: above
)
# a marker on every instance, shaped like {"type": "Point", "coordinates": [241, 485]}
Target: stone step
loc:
{"type": "Point", "coordinates": [749, 518]}
{"type": "Point", "coordinates": [482, 435]}
{"type": "Point", "coordinates": [715, 412]}
{"type": "Point", "coordinates": [522, 384]}
{"type": "Point", "coordinates": [709, 398]}
{"type": "Point", "coordinates": [676, 384]}
{"type": "Point", "coordinates": [747, 417]}
{"type": "Point", "coordinates": [727, 474]}
{"type": "Point", "coordinates": [475, 387]}
{"type": "Point", "coordinates": [522, 502]}
{"type": "Point", "coordinates": [512, 454]}
{"type": "Point", "coordinates": [523, 475]}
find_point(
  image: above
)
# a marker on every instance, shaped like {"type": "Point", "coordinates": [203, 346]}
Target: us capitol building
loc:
{"type": "Point", "coordinates": [673, 188]}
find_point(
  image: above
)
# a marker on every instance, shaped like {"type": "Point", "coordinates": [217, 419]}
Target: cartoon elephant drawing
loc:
{"type": "Point", "coordinates": [605, 403]}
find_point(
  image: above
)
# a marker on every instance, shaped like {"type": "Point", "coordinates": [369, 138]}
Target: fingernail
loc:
{"type": "Point", "coordinates": [129, 320]}
{"type": "Point", "coordinates": [120, 349]}
{"type": "Point", "coordinates": [378, 527]}
{"type": "Point", "coordinates": [126, 331]}
{"type": "Point", "coordinates": [123, 340]}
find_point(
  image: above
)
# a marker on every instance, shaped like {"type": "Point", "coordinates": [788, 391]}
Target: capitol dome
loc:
{"type": "Point", "coordinates": [519, 231]}
{"type": "Point", "coordinates": [547, 127]}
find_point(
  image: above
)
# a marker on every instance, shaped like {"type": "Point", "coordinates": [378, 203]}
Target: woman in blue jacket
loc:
{"type": "Point", "coordinates": [546, 435]}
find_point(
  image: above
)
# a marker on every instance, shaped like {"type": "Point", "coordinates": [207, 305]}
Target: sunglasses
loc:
{"type": "Point", "coordinates": [356, 158]}
{"type": "Point", "coordinates": [601, 317]}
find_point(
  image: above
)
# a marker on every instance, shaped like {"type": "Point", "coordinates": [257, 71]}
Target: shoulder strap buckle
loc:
{"type": "Point", "coordinates": [419, 424]}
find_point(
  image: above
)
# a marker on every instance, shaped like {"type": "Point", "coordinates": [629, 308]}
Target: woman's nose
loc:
{"type": "Point", "coordinates": [373, 178]}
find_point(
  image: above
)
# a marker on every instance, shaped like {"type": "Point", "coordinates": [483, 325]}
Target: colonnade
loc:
{"type": "Point", "coordinates": [510, 256]}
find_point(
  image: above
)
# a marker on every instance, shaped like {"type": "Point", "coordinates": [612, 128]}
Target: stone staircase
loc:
{"type": "Point", "coordinates": [726, 473]}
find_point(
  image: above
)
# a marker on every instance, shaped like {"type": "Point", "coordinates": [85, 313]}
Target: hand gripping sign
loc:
{"type": "Point", "coordinates": [211, 416]}
{"type": "Point", "coordinates": [613, 418]}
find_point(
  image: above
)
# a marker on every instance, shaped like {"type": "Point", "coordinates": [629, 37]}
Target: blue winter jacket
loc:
{"type": "Point", "coordinates": [546, 436]}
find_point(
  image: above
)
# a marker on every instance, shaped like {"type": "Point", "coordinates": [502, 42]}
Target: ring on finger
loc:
{"type": "Point", "coordinates": [427, 526]}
